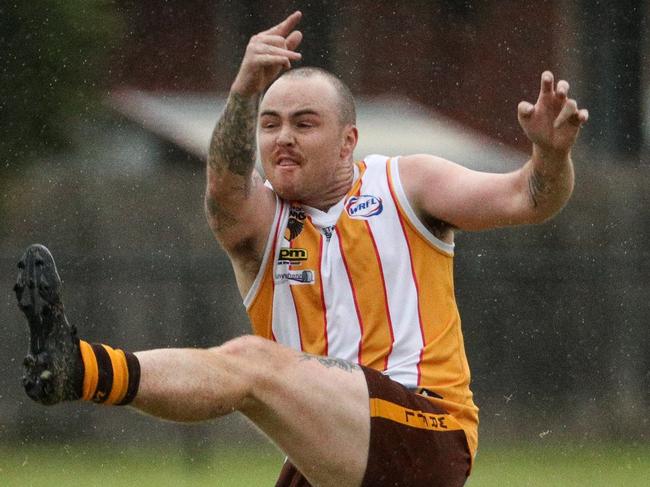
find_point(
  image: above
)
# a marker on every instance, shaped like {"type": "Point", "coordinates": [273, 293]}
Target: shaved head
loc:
{"type": "Point", "coordinates": [306, 136]}
{"type": "Point", "coordinates": [346, 107]}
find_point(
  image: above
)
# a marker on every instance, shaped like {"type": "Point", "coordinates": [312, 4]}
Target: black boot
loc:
{"type": "Point", "coordinates": [53, 366]}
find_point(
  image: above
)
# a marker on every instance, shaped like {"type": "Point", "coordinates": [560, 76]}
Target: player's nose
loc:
{"type": "Point", "coordinates": [285, 137]}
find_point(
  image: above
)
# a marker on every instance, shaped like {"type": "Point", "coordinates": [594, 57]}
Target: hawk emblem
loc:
{"type": "Point", "coordinates": [296, 222]}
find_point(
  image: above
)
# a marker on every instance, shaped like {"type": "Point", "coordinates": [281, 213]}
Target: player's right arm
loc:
{"type": "Point", "coordinates": [239, 207]}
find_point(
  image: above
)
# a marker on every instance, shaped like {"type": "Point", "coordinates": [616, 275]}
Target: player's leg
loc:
{"type": "Point", "coordinates": [315, 409]}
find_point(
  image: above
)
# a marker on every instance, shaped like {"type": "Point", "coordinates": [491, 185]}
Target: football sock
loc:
{"type": "Point", "coordinates": [110, 376]}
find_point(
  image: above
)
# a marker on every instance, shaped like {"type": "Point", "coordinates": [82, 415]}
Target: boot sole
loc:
{"type": "Point", "coordinates": [37, 291]}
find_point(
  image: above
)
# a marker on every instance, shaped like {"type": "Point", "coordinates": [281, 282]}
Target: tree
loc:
{"type": "Point", "coordinates": [53, 70]}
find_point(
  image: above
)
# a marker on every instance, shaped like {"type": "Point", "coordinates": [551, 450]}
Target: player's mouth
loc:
{"type": "Point", "coordinates": [286, 160]}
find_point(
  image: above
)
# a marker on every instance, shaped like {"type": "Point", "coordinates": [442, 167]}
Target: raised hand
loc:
{"type": "Point", "coordinates": [267, 54]}
{"type": "Point", "coordinates": [554, 121]}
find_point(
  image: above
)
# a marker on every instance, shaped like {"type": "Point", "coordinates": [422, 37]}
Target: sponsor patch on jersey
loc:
{"type": "Point", "coordinates": [295, 277]}
{"type": "Point", "coordinates": [292, 256]}
{"type": "Point", "coordinates": [364, 206]}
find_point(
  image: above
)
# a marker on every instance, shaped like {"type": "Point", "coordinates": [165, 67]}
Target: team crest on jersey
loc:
{"type": "Point", "coordinates": [364, 206]}
{"type": "Point", "coordinates": [292, 256]}
{"type": "Point", "coordinates": [296, 222]}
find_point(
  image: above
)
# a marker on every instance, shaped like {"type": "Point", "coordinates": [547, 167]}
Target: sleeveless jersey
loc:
{"type": "Point", "coordinates": [367, 282]}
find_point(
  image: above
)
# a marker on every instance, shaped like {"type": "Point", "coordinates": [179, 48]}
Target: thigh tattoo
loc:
{"type": "Point", "coordinates": [331, 362]}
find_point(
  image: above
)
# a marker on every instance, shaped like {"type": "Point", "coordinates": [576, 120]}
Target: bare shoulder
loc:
{"type": "Point", "coordinates": [424, 178]}
{"type": "Point", "coordinates": [416, 166]}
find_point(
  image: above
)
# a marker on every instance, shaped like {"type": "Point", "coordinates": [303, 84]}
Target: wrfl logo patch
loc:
{"type": "Point", "coordinates": [364, 206]}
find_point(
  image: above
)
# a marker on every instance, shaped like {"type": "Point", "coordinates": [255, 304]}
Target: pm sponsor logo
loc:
{"type": "Point", "coordinates": [292, 256]}
{"type": "Point", "coordinates": [364, 206]}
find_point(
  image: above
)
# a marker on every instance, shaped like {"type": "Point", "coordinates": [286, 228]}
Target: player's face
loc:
{"type": "Point", "coordinates": [301, 140]}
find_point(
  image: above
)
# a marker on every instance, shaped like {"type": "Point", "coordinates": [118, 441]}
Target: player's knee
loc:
{"type": "Point", "coordinates": [255, 361]}
{"type": "Point", "coordinates": [248, 347]}
{"type": "Point", "coordinates": [252, 356]}
{"type": "Point", "coordinates": [261, 358]}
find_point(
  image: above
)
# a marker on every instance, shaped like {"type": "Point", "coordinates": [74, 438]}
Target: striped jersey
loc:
{"type": "Point", "coordinates": [367, 282]}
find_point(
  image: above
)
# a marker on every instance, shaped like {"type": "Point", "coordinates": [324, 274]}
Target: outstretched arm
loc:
{"type": "Point", "coordinates": [472, 200]}
{"type": "Point", "coordinates": [239, 207]}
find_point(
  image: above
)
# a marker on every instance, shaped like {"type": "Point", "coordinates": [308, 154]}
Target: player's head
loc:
{"type": "Point", "coordinates": [345, 100]}
{"type": "Point", "coordinates": [307, 132]}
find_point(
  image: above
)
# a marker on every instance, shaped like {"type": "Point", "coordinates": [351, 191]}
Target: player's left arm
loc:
{"type": "Point", "coordinates": [472, 200]}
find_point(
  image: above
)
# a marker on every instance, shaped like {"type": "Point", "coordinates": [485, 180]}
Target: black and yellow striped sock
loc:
{"type": "Point", "coordinates": [110, 376]}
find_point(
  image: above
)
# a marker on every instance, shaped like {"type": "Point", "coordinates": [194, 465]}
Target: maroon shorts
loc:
{"type": "Point", "coordinates": [412, 442]}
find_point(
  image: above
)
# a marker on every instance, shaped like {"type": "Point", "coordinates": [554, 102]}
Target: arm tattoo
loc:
{"type": "Point", "coordinates": [537, 186]}
{"type": "Point", "coordinates": [220, 217]}
{"type": "Point", "coordinates": [232, 151]}
{"type": "Point", "coordinates": [233, 142]}
{"type": "Point", "coordinates": [331, 362]}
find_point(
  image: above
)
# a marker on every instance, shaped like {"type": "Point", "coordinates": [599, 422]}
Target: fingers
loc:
{"type": "Point", "coordinates": [571, 114]}
{"type": "Point", "coordinates": [562, 89]}
{"type": "Point", "coordinates": [274, 45]}
{"type": "Point", "coordinates": [525, 109]}
{"type": "Point", "coordinates": [293, 40]}
{"type": "Point", "coordinates": [583, 116]}
{"type": "Point", "coordinates": [267, 54]}
{"type": "Point", "coordinates": [569, 110]}
{"type": "Point", "coordinates": [555, 119]}
{"type": "Point", "coordinates": [556, 98]}
{"type": "Point", "coordinates": [286, 26]}
{"type": "Point", "coordinates": [546, 87]}
{"type": "Point", "coordinates": [578, 118]}
{"type": "Point", "coordinates": [277, 45]}
{"type": "Point", "coordinates": [266, 48]}
{"type": "Point", "coordinates": [284, 37]}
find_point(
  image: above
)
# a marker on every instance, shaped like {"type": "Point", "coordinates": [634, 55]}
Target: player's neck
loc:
{"type": "Point", "coordinates": [335, 191]}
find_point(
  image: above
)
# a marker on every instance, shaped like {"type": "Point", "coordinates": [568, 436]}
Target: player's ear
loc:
{"type": "Point", "coordinates": [350, 139]}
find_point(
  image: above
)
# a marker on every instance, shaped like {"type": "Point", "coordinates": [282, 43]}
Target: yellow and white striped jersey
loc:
{"type": "Point", "coordinates": [367, 282]}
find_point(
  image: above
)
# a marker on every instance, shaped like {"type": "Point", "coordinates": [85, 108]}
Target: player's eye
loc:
{"type": "Point", "coordinates": [305, 124]}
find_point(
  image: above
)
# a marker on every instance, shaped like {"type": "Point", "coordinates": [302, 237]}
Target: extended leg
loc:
{"type": "Point", "coordinates": [315, 409]}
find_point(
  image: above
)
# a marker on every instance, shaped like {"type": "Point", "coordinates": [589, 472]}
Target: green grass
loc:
{"type": "Point", "coordinates": [562, 465]}
{"type": "Point", "coordinates": [496, 466]}
{"type": "Point", "coordinates": [89, 466]}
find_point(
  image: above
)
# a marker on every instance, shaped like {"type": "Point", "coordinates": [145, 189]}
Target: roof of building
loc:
{"type": "Point", "coordinates": [386, 126]}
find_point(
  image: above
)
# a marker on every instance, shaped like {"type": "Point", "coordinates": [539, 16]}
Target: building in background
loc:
{"type": "Point", "coordinates": [470, 61]}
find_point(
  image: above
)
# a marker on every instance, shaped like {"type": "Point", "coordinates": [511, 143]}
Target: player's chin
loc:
{"type": "Point", "coordinates": [289, 191]}
{"type": "Point", "coordinates": [288, 195]}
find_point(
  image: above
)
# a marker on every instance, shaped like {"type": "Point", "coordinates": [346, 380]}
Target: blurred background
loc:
{"type": "Point", "coordinates": [106, 110]}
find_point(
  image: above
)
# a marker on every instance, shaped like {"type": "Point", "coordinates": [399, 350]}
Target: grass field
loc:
{"type": "Point", "coordinates": [496, 466]}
